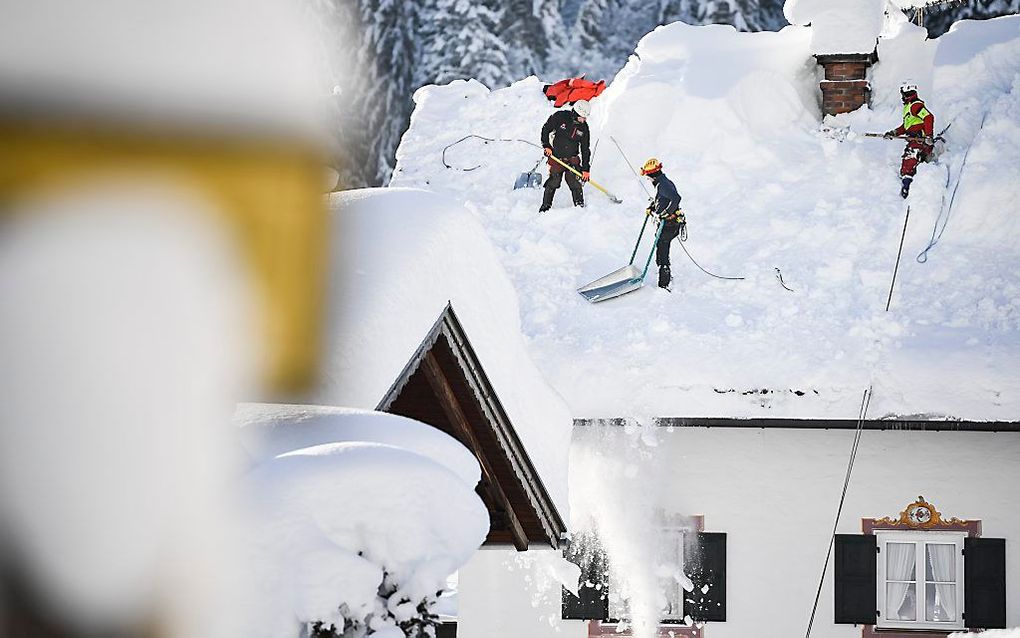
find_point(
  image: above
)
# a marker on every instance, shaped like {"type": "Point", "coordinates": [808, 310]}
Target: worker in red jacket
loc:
{"type": "Point", "coordinates": [919, 127]}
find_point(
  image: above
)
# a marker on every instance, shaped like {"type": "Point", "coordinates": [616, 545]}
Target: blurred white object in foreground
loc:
{"type": "Point", "coordinates": [160, 256]}
{"type": "Point", "coordinates": [227, 65]}
{"type": "Point", "coordinates": [124, 341]}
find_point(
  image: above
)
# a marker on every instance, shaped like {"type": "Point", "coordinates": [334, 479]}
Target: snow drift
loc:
{"type": "Point", "coordinates": [357, 517]}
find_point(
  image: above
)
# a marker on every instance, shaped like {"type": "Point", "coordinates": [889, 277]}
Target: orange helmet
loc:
{"type": "Point", "coordinates": [651, 166]}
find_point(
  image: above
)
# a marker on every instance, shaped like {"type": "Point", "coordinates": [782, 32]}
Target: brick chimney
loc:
{"type": "Point", "coordinates": [845, 87]}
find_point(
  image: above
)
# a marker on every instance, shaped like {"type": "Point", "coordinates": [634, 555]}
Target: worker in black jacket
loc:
{"type": "Point", "coordinates": [666, 208]}
{"type": "Point", "coordinates": [565, 136]}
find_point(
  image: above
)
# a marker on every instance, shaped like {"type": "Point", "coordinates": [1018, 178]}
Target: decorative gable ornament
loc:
{"type": "Point", "coordinates": [920, 515]}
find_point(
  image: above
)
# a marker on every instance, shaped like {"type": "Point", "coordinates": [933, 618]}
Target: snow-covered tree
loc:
{"type": "Point", "coordinates": [593, 24]}
{"type": "Point", "coordinates": [388, 58]}
{"type": "Point", "coordinates": [461, 40]}
{"type": "Point", "coordinates": [534, 34]}
{"type": "Point", "coordinates": [745, 15]}
{"type": "Point", "coordinates": [941, 15]}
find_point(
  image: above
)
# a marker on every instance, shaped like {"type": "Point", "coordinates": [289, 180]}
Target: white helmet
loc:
{"type": "Point", "coordinates": [582, 108]}
{"type": "Point", "coordinates": [908, 87]}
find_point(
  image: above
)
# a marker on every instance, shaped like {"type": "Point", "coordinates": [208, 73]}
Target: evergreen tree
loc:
{"type": "Point", "coordinates": [388, 57]}
{"type": "Point", "coordinates": [940, 17]}
{"type": "Point", "coordinates": [593, 27]}
{"type": "Point", "coordinates": [461, 41]}
{"type": "Point", "coordinates": [533, 32]}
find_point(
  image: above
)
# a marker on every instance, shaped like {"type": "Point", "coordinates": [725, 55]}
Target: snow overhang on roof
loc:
{"type": "Point", "coordinates": [445, 386]}
{"type": "Point", "coordinates": [399, 258]}
{"type": "Point", "coordinates": [924, 425]}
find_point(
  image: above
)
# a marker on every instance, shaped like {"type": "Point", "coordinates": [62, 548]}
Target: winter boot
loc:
{"type": "Point", "coordinates": [906, 187]}
{"type": "Point", "coordinates": [547, 199]}
{"type": "Point", "coordinates": [579, 201]}
{"type": "Point", "coordinates": [664, 277]}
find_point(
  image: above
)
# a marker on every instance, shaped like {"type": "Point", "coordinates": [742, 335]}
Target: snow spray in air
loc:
{"type": "Point", "coordinates": [615, 489]}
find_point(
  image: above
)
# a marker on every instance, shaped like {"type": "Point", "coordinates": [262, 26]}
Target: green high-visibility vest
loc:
{"type": "Point", "coordinates": [909, 119]}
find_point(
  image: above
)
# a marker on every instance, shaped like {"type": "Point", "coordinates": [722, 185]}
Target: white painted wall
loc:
{"type": "Point", "coordinates": [503, 593]}
{"type": "Point", "coordinates": [775, 493]}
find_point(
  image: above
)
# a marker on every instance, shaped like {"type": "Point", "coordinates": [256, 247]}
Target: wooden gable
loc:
{"type": "Point", "coordinates": [445, 386]}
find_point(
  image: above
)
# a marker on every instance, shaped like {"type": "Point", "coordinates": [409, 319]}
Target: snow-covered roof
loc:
{"type": "Point", "coordinates": [400, 257]}
{"type": "Point", "coordinates": [735, 118]}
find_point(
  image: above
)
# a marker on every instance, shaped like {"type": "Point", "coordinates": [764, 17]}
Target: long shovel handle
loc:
{"type": "Point", "coordinates": [652, 251]}
{"type": "Point", "coordinates": [901, 137]}
{"type": "Point", "coordinates": [640, 235]}
{"type": "Point", "coordinates": [614, 198]}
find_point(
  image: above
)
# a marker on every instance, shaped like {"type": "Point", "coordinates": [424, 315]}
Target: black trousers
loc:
{"type": "Point", "coordinates": [556, 175]}
{"type": "Point", "coordinates": [670, 230]}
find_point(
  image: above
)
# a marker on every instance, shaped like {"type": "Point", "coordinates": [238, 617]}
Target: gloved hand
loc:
{"type": "Point", "coordinates": [929, 140]}
{"type": "Point", "coordinates": [680, 218]}
{"type": "Point", "coordinates": [648, 211]}
{"type": "Point", "coordinates": [585, 176]}
{"type": "Point", "coordinates": [889, 134]}
{"type": "Point", "coordinates": [547, 151]}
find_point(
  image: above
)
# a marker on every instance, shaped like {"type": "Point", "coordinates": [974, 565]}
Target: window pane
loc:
{"type": "Point", "coordinates": [901, 601]}
{"type": "Point", "coordinates": [900, 559]}
{"type": "Point", "coordinates": [940, 602]}
{"type": "Point", "coordinates": [940, 563]}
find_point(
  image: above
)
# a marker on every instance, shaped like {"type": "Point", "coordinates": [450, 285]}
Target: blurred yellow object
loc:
{"type": "Point", "coordinates": [268, 190]}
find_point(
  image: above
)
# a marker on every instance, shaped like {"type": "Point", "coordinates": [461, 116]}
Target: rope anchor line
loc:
{"type": "Point", "coordinates": [486, 140]}
{"type": "Point", "coordinates": [861, 416]}
{"type": "Point", "coordinates": [936, 231]}
{"type": "Point", "coordinates": [779, 276]}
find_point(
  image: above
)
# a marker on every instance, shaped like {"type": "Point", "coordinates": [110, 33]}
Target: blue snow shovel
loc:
{"type": "Point", "coordinates": [624, 280]}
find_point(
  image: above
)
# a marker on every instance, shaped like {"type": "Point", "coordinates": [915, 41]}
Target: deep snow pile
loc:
{"type": "Point", "coordinates": [399, 257]}
{"type": "Point", "coordinates": [357, 518]}
{"type": "Point", "coordinates": [735, 118]}
{"type": "Point", "coordinates": [838, 26]}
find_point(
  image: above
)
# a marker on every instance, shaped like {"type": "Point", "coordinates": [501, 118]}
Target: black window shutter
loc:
{"type": "Point", "coordinates": [705, 565]}
{"type": "Point", "coordinates": [592, 601]}
{"type": "Point", "coordinates": [856, 579]}
{"type": "Point", "coordinates": [984, 586]}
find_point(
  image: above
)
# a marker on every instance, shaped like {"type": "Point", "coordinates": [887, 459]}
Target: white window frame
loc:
{"type": "Point", "coordinates": [669, 531]}
{"type": "Point", "coordinates": [920, 539]}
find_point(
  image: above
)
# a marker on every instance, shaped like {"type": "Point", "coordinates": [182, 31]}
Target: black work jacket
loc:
{"type": "Point", "coordinates": [567, 137]}
{"type": "Point", "coordinates": [667, 199]}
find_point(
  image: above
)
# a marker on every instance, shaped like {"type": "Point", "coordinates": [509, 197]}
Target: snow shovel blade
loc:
{"type": "Point", "coordinates": [616, 283]}
{"type": "Point", "coordinates": [530, 179]}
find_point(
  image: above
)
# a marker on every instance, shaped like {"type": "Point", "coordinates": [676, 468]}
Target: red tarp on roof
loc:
{"type": "Point", "coordinates": [573, 89]}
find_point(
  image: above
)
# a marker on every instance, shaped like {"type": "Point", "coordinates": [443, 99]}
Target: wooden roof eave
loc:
{"type": "Point", "coordinates": [449, 326]}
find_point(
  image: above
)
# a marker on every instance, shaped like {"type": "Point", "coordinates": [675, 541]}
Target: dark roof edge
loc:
{"type": "Point", "coordinates": [448, 324]}
{"type": "Point", "coordinates": [549, 515]}
{"type": "Point", "coordinates": [821, 424]}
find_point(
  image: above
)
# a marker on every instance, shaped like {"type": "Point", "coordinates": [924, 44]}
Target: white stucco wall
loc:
{"type": "Point", "coordinates": [508, 594]}
{"type": "Point", "coordinates": [775, 493]}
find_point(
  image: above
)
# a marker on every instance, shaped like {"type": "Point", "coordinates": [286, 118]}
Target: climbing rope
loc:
{"type": "Point", "coordinates": [705, 271]}
{"type": "Point", "coordinates": [683, 237]}
{"type": "Point", "coordinates": [936, 231]}
{"type": "Point", "coordinates": [899, 252]}
{"type": "Point", "coordinates": [779, 276]}
{"type": "Point", "coordinates": [862, 414]}
{"type": "Point", "coordinates": [486, 140]}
